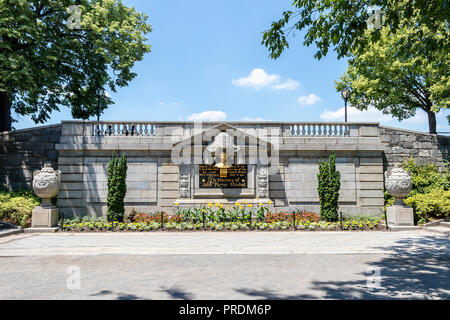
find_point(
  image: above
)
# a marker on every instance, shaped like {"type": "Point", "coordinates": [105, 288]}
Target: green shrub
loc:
{"type": "Point", "coordinates": [432, 205]}
{"type": "Point", "coordinates": [117, 188]}
{"type": "Point", "coordinates": [388, 199]}
{"type": "Point", "coordinates": [426, 177]}
{"type": "Point", "coordinates": [16, 207]}
{"type": "Point", "coordinates": [329, 184]}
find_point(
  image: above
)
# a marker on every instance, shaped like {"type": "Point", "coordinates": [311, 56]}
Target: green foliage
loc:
{"type": "Point", "coordinates": [329, 185]}
{"type": "Point", "coordinates": [430, 194]}
{"type": "Point", "coordinates": [432, 205]}
{"type": "Point", "coordinates": [44, 64]}
{"type": "Point", "coordinates": [341, 24]}
{"type": "Point", "coordinates": [398, 68]}
{"type": "Point", "coordinates": [388, 199]}
{"type": "Point", "coordinates": [272, 222]}
{"type": "Point", "coordinates": [117, 188]}
{"type": "Point", "coordinates": [426, 177]}
{"type": "Point", "coordinates": [16, 207]}
{"type": "Point", "coordinates": [402, 72]}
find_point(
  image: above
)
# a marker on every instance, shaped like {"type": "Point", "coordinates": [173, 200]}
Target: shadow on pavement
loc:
{"type": "Point", "coordinates": [119, 296]}
{"type": "Point", "coordinates": [419, 269]}
{"type": "Point", "coordinates": [177, 293]}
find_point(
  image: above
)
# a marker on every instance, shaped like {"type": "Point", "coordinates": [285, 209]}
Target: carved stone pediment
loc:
{"type": "Point", "coordinates": [230, 133]}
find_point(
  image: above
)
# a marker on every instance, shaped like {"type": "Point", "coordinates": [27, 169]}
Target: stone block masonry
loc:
{"type": "Point", "coordinates": [401, 144]}
{"type": "Point", "coordinates": [82, 150]}
{"type": "Point", "coordinates": [23, 151]}
{"type": "Point", "coordinates": [155, 182]}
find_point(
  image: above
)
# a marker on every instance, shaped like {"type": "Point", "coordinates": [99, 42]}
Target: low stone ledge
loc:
{"type": "Point", "coordinates": [41, 230]}
{"type": "Point", "coordinates": [9, 232]}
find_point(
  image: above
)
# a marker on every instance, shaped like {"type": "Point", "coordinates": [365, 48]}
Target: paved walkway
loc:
{"type": "Point", "coordinates": [238, 265]}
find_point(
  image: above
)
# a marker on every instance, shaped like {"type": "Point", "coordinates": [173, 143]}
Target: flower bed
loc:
{"type": "Point", "coordinates": [269, 222]}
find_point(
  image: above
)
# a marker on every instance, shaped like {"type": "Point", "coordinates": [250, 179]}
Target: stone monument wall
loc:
{"type": "Point", "coordinates": [155, 183]}
{"type": "Point", "coordinates": [23, 151]}
{"type": "Point", "coordinates": [401, 144]}
{"type": "Point", "coordinates": [82, 149]}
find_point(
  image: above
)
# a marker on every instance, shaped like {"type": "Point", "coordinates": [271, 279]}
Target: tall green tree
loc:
{"type": "Point", "coordinates": [401, 81]}
{"type": "Point", "coordinates": [329, 185]}
{"type": "Point", "coordinates": [117, 188]}
{"type": "Point", "coordinates": [342, 24]}
{"type": "Point", "coordinates": [399, 67]}
{"type": "Point", "coordinates": [47, 62]}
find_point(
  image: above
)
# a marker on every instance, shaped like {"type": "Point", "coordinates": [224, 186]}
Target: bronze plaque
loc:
{"type": "Point", "coordinates": [212, 177]}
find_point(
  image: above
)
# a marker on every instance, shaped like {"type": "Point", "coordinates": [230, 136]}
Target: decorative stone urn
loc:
{"type": "Point", "coordinates": [46, 184]}
{"type": "Point", "coordinates": [398, 184]}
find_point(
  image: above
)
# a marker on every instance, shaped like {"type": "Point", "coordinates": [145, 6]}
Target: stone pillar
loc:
{"type": "Point", "coordinates": [262, 181]}
{"type": "Point", "coordinates": [398, 183]}
{"type": "Point", "coordinates": [46, 184]}
{"type": "Point", "coordinates": [184, 181]}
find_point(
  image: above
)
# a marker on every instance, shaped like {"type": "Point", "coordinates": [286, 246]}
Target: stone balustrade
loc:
{"type": "Point", "coordinates": [286, 129]}
{"type": "Point", "coordinates": [320, 129]}
{"type": "Point", "coordinates": [132, 129]}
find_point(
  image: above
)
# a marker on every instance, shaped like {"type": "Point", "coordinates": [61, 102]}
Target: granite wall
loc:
{"type": "Point", "coordinates": [401, 144]}
{"type": "Point", "coordinates": [155, 182]}
{"type": "Point", "coordinates": [82, 156]}
{"type": "Point", "coordinates": [23, 151]}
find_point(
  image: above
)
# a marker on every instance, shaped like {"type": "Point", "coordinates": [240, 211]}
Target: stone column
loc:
{"type": "Point", "coordinates": [46, 184]}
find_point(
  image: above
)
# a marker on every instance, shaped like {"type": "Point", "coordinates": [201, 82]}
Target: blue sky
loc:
{"type": "Point", "coordinates": [207, 63]}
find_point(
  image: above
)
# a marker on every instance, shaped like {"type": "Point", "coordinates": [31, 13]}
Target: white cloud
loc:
{"type": "Point", "coordinates": [258, 78]}
{"type": "Point", "coordinates": [169, 104]}
{"type": "Point", "coordinates": [420, 117]}
{"type": "Point", "coordinates": [355, 115]}
{"type": "Point", "coordinates": [370, 115]}
{"type": "Point", "coordinates": [289, 84]}
{"type": "Point", "coordinates": [309, 100]}
{"type": "Point", "coordinates": [208, 116]}
{"type": "Point", "coordinates": [255, 119]}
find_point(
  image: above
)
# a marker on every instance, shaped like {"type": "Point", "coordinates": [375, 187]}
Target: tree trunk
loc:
{"type": "Point", "coordinates": [432, 121]}
{"type": "Point", "coordinates": [5, 112]}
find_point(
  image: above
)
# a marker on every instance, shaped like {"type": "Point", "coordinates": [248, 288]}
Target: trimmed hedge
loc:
{"type": "Point", "coordinates": [117, 188]}
{"type": "Point", "coordinates": [329, 185]}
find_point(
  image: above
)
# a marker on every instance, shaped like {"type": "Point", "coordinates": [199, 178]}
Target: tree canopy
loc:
{"type": "Point", "coordinates": [398, 67]}
{"type": "Point", "coordinates": [45, 62]}
{"type": "Point", "coordinates": [399, 82]}
{"type": "Point", "coordinates": [342, 24]}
